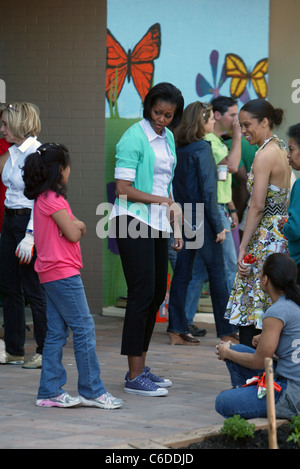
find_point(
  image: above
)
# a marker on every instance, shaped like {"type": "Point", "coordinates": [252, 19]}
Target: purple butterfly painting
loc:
{"type": "Point", "coordinates": [203, 87]}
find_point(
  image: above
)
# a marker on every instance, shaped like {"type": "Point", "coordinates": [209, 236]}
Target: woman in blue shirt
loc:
{"type": "Point", "coordinates": [144, 171]}
{"type": "Point", "coordinates": [195, 186]}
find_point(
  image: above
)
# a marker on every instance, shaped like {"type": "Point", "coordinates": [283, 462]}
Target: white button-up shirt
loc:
{"type": "Point", "coordinates": [12, 175]}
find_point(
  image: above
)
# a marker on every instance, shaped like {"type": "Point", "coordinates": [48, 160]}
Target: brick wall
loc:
{"type": "Point", "coordinates": [52, 53]}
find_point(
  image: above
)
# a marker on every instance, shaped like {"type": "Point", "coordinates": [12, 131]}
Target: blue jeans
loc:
{"type": "Point", "coordinates": [67, 308]}
{"type": "Point", "coordinates": [239, 400]}
{"type": "Point", "coordinates": [211, 258]}
{"type": "Point", "coordinates": [199, 277]}
{"type": "Point", "coordinates": [229, 251]}
{"type": "Point", "coordinates": [171, 253]}
{"type": "Point", "coordinates": [200, 274]}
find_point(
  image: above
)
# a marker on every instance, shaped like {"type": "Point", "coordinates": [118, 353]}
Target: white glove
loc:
{"type": "Point", "coordinates": [25, 249]}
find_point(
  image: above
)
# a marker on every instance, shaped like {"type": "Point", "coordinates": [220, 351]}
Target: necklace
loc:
{"type": "Point", "coordinates": [280, 142]}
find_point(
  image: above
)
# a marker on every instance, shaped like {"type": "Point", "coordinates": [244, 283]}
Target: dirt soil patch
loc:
{"type": "Point", "coordinates": [260, 441]}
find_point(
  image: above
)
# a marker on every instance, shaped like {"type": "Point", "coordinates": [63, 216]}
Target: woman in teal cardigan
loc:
{"type": "Point", "coordinates": [142, 214]}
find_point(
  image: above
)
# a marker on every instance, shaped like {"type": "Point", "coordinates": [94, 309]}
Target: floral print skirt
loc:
{"type": "Point", "coordinates": [247, 302]}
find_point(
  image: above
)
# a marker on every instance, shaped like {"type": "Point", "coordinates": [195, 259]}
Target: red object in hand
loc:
{"type": "Point", "coordinates": [248, 259]}
{"type": "Point", "coordinates": [283, 225]}
{"type": "Point", "coordinates": [260, 382]}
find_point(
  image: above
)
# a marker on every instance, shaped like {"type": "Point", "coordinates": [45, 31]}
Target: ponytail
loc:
{"type": "Point", "coordinates": [33, 174]}
{"type": "Point", "coordinates": [281, 270]}
{"type": "Point", "coordinates": [292, 291]}
{"type": "Point", "coordinates": [260, 108]}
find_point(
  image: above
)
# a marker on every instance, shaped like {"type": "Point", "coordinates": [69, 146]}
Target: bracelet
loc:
{"type": "Point", "coordinates": [29, 231]}
{"type": "Point", "coordinates": [232, 210]}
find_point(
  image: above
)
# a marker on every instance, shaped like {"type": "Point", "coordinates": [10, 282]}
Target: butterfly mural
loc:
{"type": "Point", "coordinates": [237, 70]}
{"type": "Point", "coordinates": [203, 87]}
{"type": "Point", "coordinates": [137, 64]}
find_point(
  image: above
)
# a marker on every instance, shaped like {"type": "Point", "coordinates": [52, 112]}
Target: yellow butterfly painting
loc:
{"type": "Point", "coordinates": [236, 68]}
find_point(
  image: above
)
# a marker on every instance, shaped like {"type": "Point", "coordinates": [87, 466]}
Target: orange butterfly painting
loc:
{"type": "Point", "coordinates": [236, 68]}
{"type": "Point", "coordinates": [137, 64]}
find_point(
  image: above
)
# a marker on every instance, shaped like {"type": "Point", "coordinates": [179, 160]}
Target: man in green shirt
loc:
{"type": "Point", "coordinates": [226, 120]}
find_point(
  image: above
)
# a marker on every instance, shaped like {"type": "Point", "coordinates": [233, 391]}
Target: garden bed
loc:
{"type": "Point", "coordinates": [260, 440]}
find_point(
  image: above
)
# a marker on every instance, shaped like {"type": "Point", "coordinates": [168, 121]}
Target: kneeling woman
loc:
{"type": "Point", "coordinates": [280, 336]}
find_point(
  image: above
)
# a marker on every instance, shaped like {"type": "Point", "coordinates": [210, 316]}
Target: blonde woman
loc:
{"type": "Point", "coordinates": [20, 125]}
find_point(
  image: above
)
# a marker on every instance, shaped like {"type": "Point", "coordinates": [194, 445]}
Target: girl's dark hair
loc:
{"type": "Point", "coordinates": [282, 273]}
{"type": "Point", "coordinates": [294, 132]}
{"type": "Point", "coordinates": [42, 170]}
{"type": "Point", "coordinates": [260, 108]}
{"type": "Point", "coordinates": [168, 93]}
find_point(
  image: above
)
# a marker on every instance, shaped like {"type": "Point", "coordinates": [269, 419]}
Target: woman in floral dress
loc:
{"type": "Point", "coordinates": [268, 184]}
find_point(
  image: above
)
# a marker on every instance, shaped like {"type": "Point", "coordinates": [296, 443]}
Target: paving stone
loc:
{"type": "Point", "coordinates": [197, 378]}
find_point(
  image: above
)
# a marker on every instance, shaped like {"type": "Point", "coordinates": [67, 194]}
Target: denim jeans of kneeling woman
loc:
{"type": "Point", "coordinates": [67, 308]}
{"type": "Point", "coordinates": [240, 400]}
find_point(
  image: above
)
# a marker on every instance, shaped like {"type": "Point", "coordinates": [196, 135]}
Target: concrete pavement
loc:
{"type": "Point", "coordinates": [142, 422]}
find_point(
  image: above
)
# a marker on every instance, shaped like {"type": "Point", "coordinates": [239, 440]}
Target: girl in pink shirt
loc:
{"type": "Point", "coordinates": [58, 264]}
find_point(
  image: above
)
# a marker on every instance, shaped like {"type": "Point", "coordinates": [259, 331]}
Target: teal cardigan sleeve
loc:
{"type": "Point", "coordinates": [134, 152]}
{"type": "Point", "coordinates": [130, 148]}
{"type": "Point", "coordinates": [291, 229]}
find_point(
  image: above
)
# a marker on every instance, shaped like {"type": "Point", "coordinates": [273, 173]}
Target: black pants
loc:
{"type": "Point", "coordinates": [145, 266]}
{"type": "Point", "coordinates": [246, 334]}
{"type": "Point", "coordinates": [298, 275]}
{"type": "Point", "coordinates": [19, 281]}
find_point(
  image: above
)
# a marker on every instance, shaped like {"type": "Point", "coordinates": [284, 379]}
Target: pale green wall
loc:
{"type": "Point", "coordinates": [284, 60]}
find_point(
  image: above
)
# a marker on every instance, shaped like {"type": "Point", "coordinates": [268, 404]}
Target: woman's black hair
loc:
{"type": "Point", "coordinates": [294, 132]}
{"type": "Point", "coordinates": [260, 108]}
{"type": "Point", "coordinates": [42, 170]}
{"type": "Point", "coordinates": [281, 270]}
{"type": "Point", "coordinates": [168, 93]}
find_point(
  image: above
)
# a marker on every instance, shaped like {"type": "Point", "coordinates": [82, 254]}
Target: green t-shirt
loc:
{"type": "Point", "coordinates": [247, 156]}
{"type": "Point", "coordinates": [220, 151]}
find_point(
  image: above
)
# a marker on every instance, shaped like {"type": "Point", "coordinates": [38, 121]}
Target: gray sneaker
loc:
{"type": "Point", "coordinates": [8, 359]}
{"type": "Point", "coordinates": [106, 401]}
{"type": "Point", "coordinates": [34, 363]}
{"type": "Point", "coordinates": [2, 351]}
{"type": "Point", "coordinates": [64, 400]}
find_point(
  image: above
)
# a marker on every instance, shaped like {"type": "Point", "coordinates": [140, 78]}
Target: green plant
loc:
{"type": "Point", "coordinates": [236, 427]}
{"type": "Point", "coordinates": [295, 424]}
